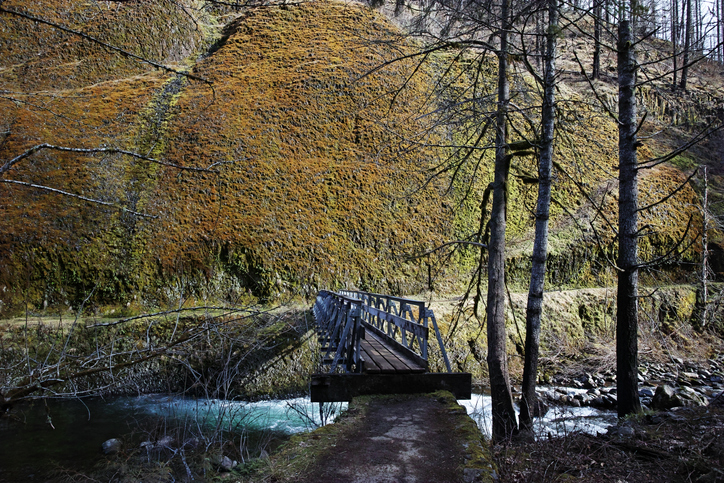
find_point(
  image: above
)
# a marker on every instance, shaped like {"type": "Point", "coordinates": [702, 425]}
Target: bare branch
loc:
{"type": "Point", "coordinates": [701, 135]}
{"type": "Point", "coordinates": [667, 255]}
{"type": "Point", "coordinates": [671, 194]}
{"type": "Point", "coordinates": [228, 310]}
{"type": "Point", "coordinates": [40, 147]}
{"type": "Point", "coordinates": [104, 44]}
{"type": "Point", "coordinates": [80, 197]}
{"type": "Point", "coordinates": [37, 106]}
{"type": "Point", "coordinates": [602, 102]}
{"type": "Point", "coordinates": [581, 190]}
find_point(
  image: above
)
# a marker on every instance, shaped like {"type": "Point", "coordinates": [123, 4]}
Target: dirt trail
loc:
{"type": "Point", "coordinates": [401, 439]}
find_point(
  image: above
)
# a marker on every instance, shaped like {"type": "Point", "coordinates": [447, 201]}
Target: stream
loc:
{"type": "Point", "coordinates": [558, 421]}
{"type": "Point", "coordinates": [68, 434]}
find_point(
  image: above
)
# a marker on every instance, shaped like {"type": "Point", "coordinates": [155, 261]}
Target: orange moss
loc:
{"type": "Point", "coordinates": [37, 57]}
{"type": "Point", "coordinates": [313, 185]}
{"type": "Point", "coordinates": [319, 172]}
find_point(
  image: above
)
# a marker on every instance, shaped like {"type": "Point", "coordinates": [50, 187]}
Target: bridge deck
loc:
{"type": "Point", "coordinates": [379, 358]}
{"type": "Point", "coordinates": [375, 344]}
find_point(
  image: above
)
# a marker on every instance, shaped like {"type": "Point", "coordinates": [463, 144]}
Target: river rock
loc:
{"type": "Point", "coordinates": [112, 446]}
{"type": "Point", "coordinates": [621, 431]}
{"type": "Point", "coordinates": [646, 392]}
{"type": "Point", "coordinates": [584, 381]}
{"type": "Point", "coordinates": [665, 398]}
{"type": "Point", "coordinates": [223, 463]}
{"type": "Point", "coordinates": [690, 397]}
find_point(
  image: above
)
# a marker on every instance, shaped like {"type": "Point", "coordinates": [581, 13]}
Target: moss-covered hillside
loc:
{"type": "Point", "coordinates": [313, 161]}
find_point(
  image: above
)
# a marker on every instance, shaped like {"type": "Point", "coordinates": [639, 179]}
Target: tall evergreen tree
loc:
{"type": "Point", "coordinates": [504, 418]}
{"type": "Point", "coordinates": [628, 233]}
{"type": "Point", "coordinates": [534, 309]}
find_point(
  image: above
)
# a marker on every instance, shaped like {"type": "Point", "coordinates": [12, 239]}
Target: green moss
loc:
{"type": "Point", "coordinates": [479, 457]}
{"type": "Point", "coordinates": [684, 162]}
{"type": "Point", "coordinates": [320, 162]}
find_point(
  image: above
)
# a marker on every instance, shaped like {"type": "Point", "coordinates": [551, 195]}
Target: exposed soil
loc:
{"type": "Point", "coordinates": [400, 440]}
{"type": "Point", "coordinates": [685, 445]}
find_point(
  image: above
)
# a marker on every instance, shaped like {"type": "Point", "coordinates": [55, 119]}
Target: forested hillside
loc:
{"type": "Point", "coordinates": [157, 149]}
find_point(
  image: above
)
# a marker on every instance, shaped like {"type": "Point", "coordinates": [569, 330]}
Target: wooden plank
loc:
{"type": "Point", "coordinates": [400, 362]}
{"type": "Point", "coordinates": [397, 364]}
{"type": "Point", "coordinates": [382, 357]}
{"type": "Point", "coordinates": [369, 363]}
{"type": "Point", "coordinates": [396, 359]}
{"type": "Point", "coordinates": [377, 357]}
{"type": "Point", "coordinates": [398, 347]}
{"type": "Point", "coordinates": [406, 365]}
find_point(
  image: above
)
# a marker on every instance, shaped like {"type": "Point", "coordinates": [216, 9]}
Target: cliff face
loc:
{"type": "Point", "coordinates": [61, 89]}
{"type": "Point", "coordinates": [307, 183]}
{"type": "Point", "coordinates": [313, 186]}
{"type": "Point", "coordinates": [316, 153]}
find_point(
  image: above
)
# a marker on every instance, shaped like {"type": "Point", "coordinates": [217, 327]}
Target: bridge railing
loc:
{"type": "Point", "coordinates": [344, 317]}
{"type": "Point", "coordinates": [339, 325]}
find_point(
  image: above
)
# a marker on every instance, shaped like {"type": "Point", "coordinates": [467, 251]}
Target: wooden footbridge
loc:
{"type": "Point", "coordinates": [378, 344]}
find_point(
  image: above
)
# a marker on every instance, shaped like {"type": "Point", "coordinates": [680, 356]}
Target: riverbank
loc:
{"type": "Point", "coordinates": [677, 446]}
{"type": "Point", "coordinates": [169, 436]}
{"type": "Point", "coordinates": [255, 351]}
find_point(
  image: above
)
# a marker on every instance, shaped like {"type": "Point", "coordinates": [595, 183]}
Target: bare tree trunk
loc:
{"type": "Point", "coordinates": [720, 29]}
{"type": "Point", "coordinates": [705, 253]}
{"type": "Point", "coordinates": [687, 46]}
{"type": "Point", "coordinates": [504, 420]}
{"type": "Point", "coordinates": [718, 55]}
{"type": "Point", "coordinates": [539, 21]}
{"type": "Point", "coordinates": [534, 309]}
{"type": "Point", "coordinates": [607, 6]}
{"type": "Point", "coordinates": [597, 39]}
{"type": "Point", "coordinates": [627, 298]}
{"type": "Point", "coordinates": [698, 27]}
{"type": "Point", "coordinates": [674, 37]}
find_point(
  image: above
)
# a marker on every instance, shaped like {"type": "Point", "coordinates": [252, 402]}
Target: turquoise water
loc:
{"type": "Point", "coordinates": [559, 421]}
{"type": "Point", "coordinates": [69, 433]}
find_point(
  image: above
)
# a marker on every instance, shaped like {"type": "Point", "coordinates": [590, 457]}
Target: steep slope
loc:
{"type": "Point", "coordinates": [61, 89]}
{"type": "Point", "coordinates": [308, 185]}
{"type": "Point", "coordinates": [313, 186]}
{"type": "Point", "coordinates": [314, 155]}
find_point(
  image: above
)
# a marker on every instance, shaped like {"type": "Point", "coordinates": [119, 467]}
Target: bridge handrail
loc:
{"type": "Point", "coordinates": [339, 321]}
{"type": "Point", "coordinates": [376, 300]}
{"type": "Point", "coordinates": [376, 312]}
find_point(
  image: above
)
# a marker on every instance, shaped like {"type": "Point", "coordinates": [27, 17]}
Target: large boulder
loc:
{"type": "Point", "coordinates": [665, 398]}
{"type": "Point", "coordinates": [223, 463]}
